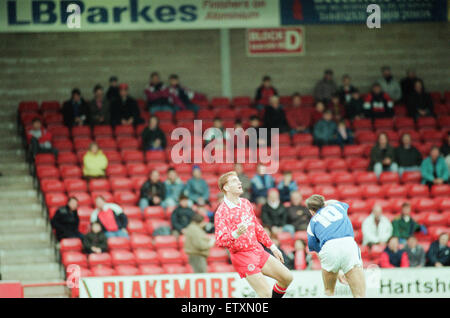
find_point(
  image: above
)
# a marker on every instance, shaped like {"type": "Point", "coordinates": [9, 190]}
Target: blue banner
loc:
{"type": "Point", "coordinates": [295, 12]}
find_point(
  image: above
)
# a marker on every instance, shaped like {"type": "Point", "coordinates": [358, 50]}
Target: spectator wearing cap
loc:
{"type": "Point", "coordinates": [378, 104]}
{"type": "Point", "coordinates": [153, 138]}
{"type": "Point", "coordinates": [125, 110]}
{"type": "Point", "coordinates": [260, 184]}
{"type": "Point", "coordinates": [298, 214]}
{"type": "Point", "coordinates": [416, 253]}
{"type": "Point", "coordinates": [174, 188]}
{"type": "Point", "coordinates": [393, 256]}
{"type": "Point", "coordinates": [65, 222]}
{"type": "Point", "coordinates": [382, 156]}
{"type": "Point", "coordinates": [326, 87]}
{"type": "Point", "coordinates": [181, 216]}
{"type": "Point", "coordinates": [407, 156]}
{"type": "Point", "coordinates": [354, 108]}
{"type": "Point", "coordinates": [273, 213]}
{"type": "Point", "coordinates": [94, 162]}
{"type": "Point", "coordinates": [40, 139]}
{"type": "Point", "coordinates": [434, 169]}
{"type": "Point", "coordinates": [275, 117]}
{"type": "Point", "coordinates": [438, 254]}
{"type": "Point", "coordinates": [113, 90]}
{"type": "Point", "coordinates": [180, 97]}
{"type": "Point", "coordinates": [111, 217]}
{"type": "Point", "coordinates": [75, 110]}
{"type": "Point", "coordinates": [95, 241]}
{"type": "Point", "coordinates": [419, 102]}
{"type": "Point", "coordinates": [389, 84]}
{"type": "Point", "coordinates": [404, 226]}
{"type": "Point", "coordinates": [286, 186]}
{"type": "Point", "coordinates": [264, 92]}
{"type": "Point", "coordinates": [346, 90]}
{"type": "Point", "coordinates": [157, 95]}
{"type": "Point", "coordinates": [197, 190]}
{"type": "Point", "coordinates": [99, 108]}
{"type": "Point", "coordinates": [376, 228]}
{"type": "Point", "coordinates": [325, 130]}
{"type": "Point", "coordinates": [153, 191]}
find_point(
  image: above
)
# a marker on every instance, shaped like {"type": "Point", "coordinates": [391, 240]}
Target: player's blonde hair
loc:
{"type": "Point", "coordinates": [315, 202]}
{"type": "Point", "coordinates": [223, 179]}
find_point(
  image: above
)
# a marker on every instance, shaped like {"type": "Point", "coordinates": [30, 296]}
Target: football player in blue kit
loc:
{"type": "Point", "coordinates": [330, 234]}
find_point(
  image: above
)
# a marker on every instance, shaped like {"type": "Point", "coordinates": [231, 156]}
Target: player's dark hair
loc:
{"type": "Point", "coordinates": [315, 202]}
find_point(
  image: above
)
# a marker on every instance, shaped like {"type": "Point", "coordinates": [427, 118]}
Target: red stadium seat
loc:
{"type": "Point", "coordinates": [55, 199]}
{"type": "Point", "coordinates": [306, 191]}
{"type": "Point", "coordinates": [331, 152]}
{"type": "Point", "coordinates": [105, 194]}
{"type": "Point", "coordinates": [444, 204]}
{"type": "Point", "coordinates": [357, 219]}
{"type": "Point", "coordinates": [62, 144]}
{"type": "Point", "coordinates": [75, 185]}
{"type": "Point", "coordinates": [383, 123]}
{"type": "Point", "coordinates": [128, 143]}
{"type": "Point", "coordinates": [70, 171]}
{"type": "Point", "coordinates": [302, 140]}
{"type": "Point", "coordinates": [122, 257]}
{"type": "Point", "coordinates": [362, 124]}
{"type": "Point", "coordinates": [136, 226]}
{"type": "Point", "coordinates": [426, 204]}
{"type": "Point", "coordinates": [132, 156]}
{"type": "Point", "coordinates": [106, 143]}
{"type": "Point", "coordinates": [404, 123]}
{"type": "Point", "coordinates": [102, 131]}
{"type": "Point", "coordinates": [357, 164]}
{"type": "Point", "coordinates": [440, 190]}
{"type": "Point", "coordinates": [418, 190]}
{"type": "Point", "coordinates": [138, 181]}
{"type": "Point", "coordinates": [165, 241]}
{"type": "Point", "coordinates": [395, 191]}
{"type": "Point", "coordinates": [47, 172]}
{"type": "Point", "coordinates": [431, 136]}
{"type": "Point", "coordinates": [386, 205]}
{"type": "Point", "coordinates": [373, 191]}
{"type": "Point", "coordinates": [44, 159]}
{"type": "Point", "coordinates": [124, 197]}
{"type": "Point", "coordinates": [52, 185]}
{"type": "Point", "coordinates": [72, 257]}
{"type": "Point", "coordinates": [154, 212]}
{"type": "Point", "coordinates": [301, 235]}
{"type": "Point", "coordinates": [354, 151]}
{"type": "Point", "coordinates": [116, 170]}
{"type": "Point", "coordinates": [315, 165]}
{"type": "Point", "coordinates": [132, 212]}
{"type": "Point", "coordinates": [358, 206]}
{"type": "Point", "coordinates": [121, 243]}
{"type": "Point", "coordinates": [241, 101]}
{"type": "Point", "coordinates": [155, 156]}
{"type": "Point", "coordinates": [127, 270]}
{"type": "Point", "coordinates": [366, 137]}
{"type": "Point", "coordinates": [389, 178]}
{"type": "Point", "coordinates": [321, 178]}
{"type": "Point", "coordinates": [103, 259]}
{"type": "Point", "coordinates": [349, 192]}
{"type": "Point", "coordinates": [170, 256]}
{"type": "Point", "coordinates": [435, 219]}
{"type": "Point", "coordinates": [365, 178]}
{"type": "Point", "coordinates": [151, 270]}
{"type": "Point", "coordinates": [426, 122]}
{"type": "Point", "coordinates": [99, 185]}
{"type": "Point", "coordinates": [81, 131]}
{"type": "Point", "coordinates": [113, 156]}
{"type": "Point", "coordinates": [28, 106]}
{"type": "Point", "coordinates": [435, 231]}
{"type": "Point", "coordinates": [84, 213]}
{"type": "Point", "coordinates": [83, 198]}
{"type": "Point", "coordinates": [444, 121]}
{"type": "Point", "coordinates": [343, 177]}
{"type": "Point", "coordinates": [124, 130]}
{"type": "Point", "coordinates": [137, 169]}
{"type": "Point", "coordinates": [327, 191]}
{"type": "Point", "coordinates": [59, 132]}
{"type": "Point", "coordinates": [221, 268]}
{"type": "Point", "coordinates": [120, 183]}
{"type": "Point", "coordinates": [100, 271]}
{"type": "Point", "coordinates": [220, 102]}
{"type": "Point", "coordinates": [140, 241]}
{"type": "Point", "coordinates": [335, 165]}
{"type": "Point", "coordinates": [67, 158]}
{"type": "Point", "coordinates": [411, 177]}
{"type": "Point", "coordinates": [70, 244]}
{"type": "Point", "coordinates": [82, 143]}
{"type": "Point", "coordinates": [175, 269]}
{"type": "Point", "coordinates": [308, 152]}
{"type": "Point", "coordinates": [219, 254]}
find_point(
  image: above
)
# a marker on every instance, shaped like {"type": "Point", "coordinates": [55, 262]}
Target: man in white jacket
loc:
{"type": "Point", "coordinates": [111, 217]}
{"type": "Point", "coordinates": [376, 228]}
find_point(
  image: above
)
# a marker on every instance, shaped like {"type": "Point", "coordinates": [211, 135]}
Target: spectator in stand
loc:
{"type": "Point", "coordinates": [153, 191]}
{"type": "Point", "coordinates": [382, 156]}
{"type": "Point", "coordinates": [99, 108]}
{"type": "Point", "coordinates": [153, 138]}
{"type": "Point", "coordinates": [174, 187]}
{"type": "Point", "coordinates": [75, 110]}
{"type": "Point", "coordinates": [325, 88]}
{"type": "Point", "coordinates": [274, 116]}
{"type": "Point", "coordinates": [111, 217]}
{"type": "Point", "coordinates": [288, 257]}
{"type": "Point", "coordinates": [264, 92]}
{"type": "Point", "coordinates": [325, 130]}
{"type": "Point", "coordinates": [273, 212]}
{"type": "Point", "coordinates": [419, 103]}
{"type": "Point", "coordinates": [286, 186]}
{"type": "Point", "coordinates": [301, 116]}
{"type": "Point", "coordinates": [254, 123]}
{"type": "Point", "coordinates": [344, 135]}
{"type": "Point", "coordinates": [245, 181]}
{"type": "Point", "coordinates": [302, 259]}
{"type": "Point", "coordinates": [445, 150]}
{"type": "Point", "coordinates": [94, 163]}
{"type": "Point", "coordinates": [393, 256]}
{"type": "Point", "coordinates": [317, 113]}
{"type": "Point", "coordinates": [438, 254]}
{"type": "Point", "coordinates": [298, 214]}
{"type": "Point", "coordinates": [208, 216]}
{"type": "Point", "coordinates": [416, 253]}
{"type": "Point", "coordinates": [354, 108]}
{"type": "Point", "coordinates": [112, 93]}
{"type": "Point", "coordinates": [95, 241]}
{"type": "Point", "coordinates": [407, 156]}
{"type": "Point", "coordinates": [157, 95]}
{"type": "Point", "coordinates": [260, 184]}
{"type": "Point", "coordinates": [404, 226]}
{"type": "Point", "coordinates": [197, 189]}
{"type": "Point", "coordinates": [216, 132]}
{"type": "Point", "coordinates": [389, 84]}
{"type": "Point", "coordinates": [336, 107]}
{"type": "Point", "coordinates": [346, 90]}
{"type": "Point", "coordinates": [40, 139]}
{"type": "Point", "coordinates": [434, 169]}
{"type": "Point", "coordinates": [181, 216]}
{"type": "Point", "coordinates": [65, 222]}
{"type": "Point", "coordinates": [197, 244]}
{"type": "Point", "coordinates": [125, 110]}
{"type": "Point", "coordinates": [180, 97]}
{"type": "Point", "coordinates": [376, 228]}
{"type": "Point", "coordinates": [378, 104]}
{"type": "Point", "coordinates": [407, 84]}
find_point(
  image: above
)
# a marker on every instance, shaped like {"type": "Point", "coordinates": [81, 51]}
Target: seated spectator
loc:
{"type": "Point", "coordinates": [208, 215]}
{"type": "Point", "coordinates": [416, 253]}
{"type": "Point", "coordinates": [382, 156]}
{"type": "Point", "coordinates": [264, 92]}
{"type": "Point", "coordinates": [240, 141]}
{"type": "Point", "coordinates": [99, 108]}
{"type": "Point", "coordinates": [125, 110]}
{"type": "Point", "coordinates": [181, 216]}
{"type": "Point", "coordinates": [301, 116]}
{"type": "Point", "coordinates": [354, 108]}
{"type": "Point", "coordinates": [245, 181]}
{"type": "Point", "coordinates": [325, 88]}
{"type": "Point", "coordinates": [445, 150]}
{"type": "Point", "coordinates": [157, 95]}
{"type": "Point", "coordinates": [197, 244]}
{"type": "Point", "coordinates": [273, 213]}
{"type": "Point", "coordinates": [286, 186]}
{"type": "Point", "coordinates": [378, 104]}
{"type": "Point", "coordinates": [438, 254]}
{"type": "Point", "coordinates": [275, 117]}
{"type": "Point", "coordinates": [216, 132]}
{"type": "Point", "coordinates": [94, 162]}
{"type": "Point", "coordinates": [376, 228]}
{"type": "Point", "coordinates": [346, 90]}
{"type": "Point", "coordinates": [393, 256]}
{"type": "Point", "coordinates": [112, 93]}
{"type": "Point", "coordinates": [325, 130]}
{"type": "Point", "coordinates": [389, 84]}
{"type": "Point", "coordinates": [336, 107]}
{"type": "Point", "coordinates": [153, 191]}
{"type": "Point", "coordinates": [95, 241]}
{"type": "Point", "coordinates": [298, 214]}
{"type": "Point", "coordinates": [407, 84]}
{"type": "Point", "coordinates": [419, 103]}
{"type": "Point", "coordinates": [260, 184]}
{"type": "Point", "coordinates": [344, 135]}
{"type": "Point", "coordinates": [111, 217]}
{"type": "Point", "coordinates": [434, 169]}
{"type": "Point", "coordinates": [75, 110]}
{"type": "Point", "coordinates": [407, 156]}
{"type": "Point", "coordinates": [404, 226]}
{"type": "Point", "coordinates": [302, 259]}
{"type": "Point", "coordinates": [153, 138]}
{"type": "Point", "coordinates": [317, 113]}
{"type": "Point", "coordinates": [197, 189]}
{"type": "Point", "coordinates": [65, 222]}
{"type": "Point", "coordinates": [180, 97]}
{"type": "Point", "coordinates": [40, 139]}
{"type": "Point", "coordinates": [174, 187]}
{"type": "Point", "coordinates": [255, 124]}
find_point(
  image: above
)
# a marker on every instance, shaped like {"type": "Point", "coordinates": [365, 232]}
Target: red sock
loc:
{"type": "Point", "coordinates": [278, 292]}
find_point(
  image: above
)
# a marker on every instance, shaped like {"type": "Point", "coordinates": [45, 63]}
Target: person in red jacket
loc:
{"type": "Point", "coordinates": [393, 256]}
{"type": "Point", "coordinates": [237, 229]}
{"type": "Point", "coordinates": [39, 139]}
{"type": "Point", "coordinates": [378, 104]}
{"type": "Point", "coordinates": [264, 92]}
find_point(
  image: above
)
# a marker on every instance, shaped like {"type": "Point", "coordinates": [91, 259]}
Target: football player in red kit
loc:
{"type": "Point", "coordinates": [238, 230]}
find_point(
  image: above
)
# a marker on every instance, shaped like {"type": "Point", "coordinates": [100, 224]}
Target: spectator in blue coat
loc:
{"type": "Point", "coordinates": [344, 135]}
{"type": "Point", "coordinates": [197, 189]}
{"type": "Point", "coordinates": [174, 188]}
{"type": "Point", "coordinates": [260, 184]}
{"type": "Point", "coordinates": [434, 169]}
{"type": "Point", "coordinates": [325, 130]}
{"type": "Point", "coordinates": [286, 186]}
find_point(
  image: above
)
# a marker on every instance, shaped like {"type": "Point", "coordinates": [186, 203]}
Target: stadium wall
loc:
{"type": "Point", "coordinates": [45, 66]}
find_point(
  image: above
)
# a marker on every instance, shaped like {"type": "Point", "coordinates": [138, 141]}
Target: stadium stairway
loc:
{"type": "Point", "coordinates": [27, 251]}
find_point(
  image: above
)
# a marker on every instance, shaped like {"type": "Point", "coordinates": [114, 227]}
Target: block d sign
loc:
{"type": "Point", "coordinates": [276, 41]}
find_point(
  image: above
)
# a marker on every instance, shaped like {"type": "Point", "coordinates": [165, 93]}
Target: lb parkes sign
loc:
{"type": "Point", "coordinates": [276, 41]}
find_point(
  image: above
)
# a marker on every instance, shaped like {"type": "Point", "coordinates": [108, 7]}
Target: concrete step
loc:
{"type": "Point", "coordinates": [27, 256]}
{"type": "Point", "coordinates": [31, 225]}
{"type": "Point", "coordinates": [7, 181]}
{"type": "Point", "coordinates": [7, 165]}
{"type": "Point", "coordinates": [10, 241]}
{"type": "Point", "coordinates": [14, 213]}
{"type": "Point", "coordinates": [13, 140]}
{"type": "Point", "coordinates": [10, 202]}
{"type": "Point", "coordinates": [42, 272]}
{"type": "Point", "coordinates": [18, 194]}
{"type": "Point", "coordinates": [47, 292]}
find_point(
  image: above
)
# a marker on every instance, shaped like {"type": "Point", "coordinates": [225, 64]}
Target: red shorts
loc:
{"type": "Point", "coordinates": [249, 262]}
